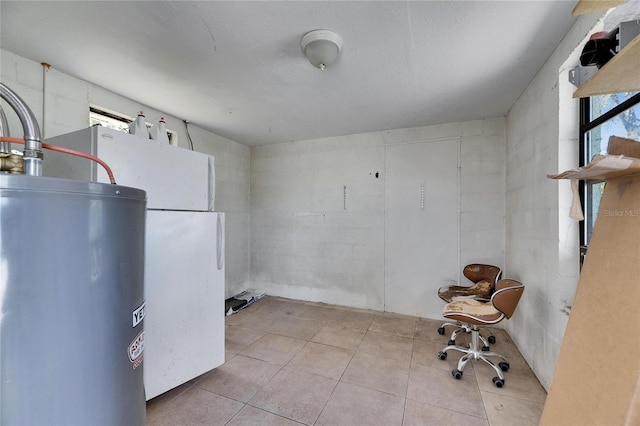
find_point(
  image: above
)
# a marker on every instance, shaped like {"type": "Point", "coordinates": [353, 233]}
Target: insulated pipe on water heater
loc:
{"type": "Point", "coordinates": [33, 140]}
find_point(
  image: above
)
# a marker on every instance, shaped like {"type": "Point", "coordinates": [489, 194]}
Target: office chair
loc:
{"type": "Point", "coordinates": [475, 313]}
{"type": "Point", "coordinates": [484, 278]}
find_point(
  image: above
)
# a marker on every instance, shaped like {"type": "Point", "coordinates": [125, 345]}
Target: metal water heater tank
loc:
{"type": "Point", "coordinates": [71, 302]}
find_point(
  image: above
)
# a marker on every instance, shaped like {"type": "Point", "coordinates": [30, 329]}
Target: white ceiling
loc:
{"type": "Point", "coordinates": [236, 67]}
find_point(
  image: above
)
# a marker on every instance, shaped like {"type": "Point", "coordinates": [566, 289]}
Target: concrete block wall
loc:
{"type": "Point", "coordinates": [61, 104]}
{"type": "Point", "coordinates": [542, 243]}
{"type": "Point", "coordinates": [482, 183]}
{"type": "Point", "coordinates": [306, 245]}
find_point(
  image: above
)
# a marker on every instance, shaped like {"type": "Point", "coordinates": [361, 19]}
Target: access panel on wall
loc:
{"type": "Point", "coordinates": [422, 229]}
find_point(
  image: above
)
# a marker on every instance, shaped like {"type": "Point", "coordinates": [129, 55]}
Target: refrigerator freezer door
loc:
{"type": "Point", "coordinates": [184, 289]}
{"type": "Point", "coordinates": [174, 178]}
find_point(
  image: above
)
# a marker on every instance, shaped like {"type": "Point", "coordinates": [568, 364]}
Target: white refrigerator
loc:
{"type": "Point", "coordinates": [184, 251]}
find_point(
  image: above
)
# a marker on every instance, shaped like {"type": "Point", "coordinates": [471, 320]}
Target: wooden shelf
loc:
{"type": "Point", "coordinates": [587, 6]}
{"type": "Point", "coordinates": [620, 74]}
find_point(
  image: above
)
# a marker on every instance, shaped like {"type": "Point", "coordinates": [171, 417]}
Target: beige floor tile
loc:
{"type": "Point", "coordinates": [233, 319]}
{"type": "Point", "coordinates": [419, 414]}
{"type": "Point", "coordinates": [505, 346]}
{"type": "Point", "coordinates": [288, 309]}
{"type": "Point", "coordinates": [518, 384]}
{"type": "Point", "coordinates": [499, 333]}
{"type": "Point", "coordinates": [425, 353]}
{"type": "Point", "coordinates": [437, 387]}
{"type": "Point", "coordinates": [323, 360]}
{"type": "Point", "coordinates": [289, 380]}
{"type": "Point", "coordinates": [237, 338]}
{"type": "Point", "coordinates": [387, 346]}
{"type": "Point", "coordinates": [295, 395]}
{"type": "Point", "coordinates": [427, 329]}
{"type": "Point", "coordinates": [397, 315]}
{"type": "Point", "coordinates": [243, 314]}
{"type": "Point", "coordinates": [342, 337]}
{"type": "Point", "coordinates": [251, 416]}
{"type": "Point", "coordinates": [355, 405]}
{"type": "Point", "coordinates": [395, 325]}
{"type": "Point", "coordinates": [509, 411]}
{"type": "Point", "coordinates": [351, 319]}
{"type": "Point", "coordinates": [314, 312]}
{"type": "Point", "coordinates": [255, 320]}
{"type": "Point", "coordinates": [383, 374]}
{"type": "Point", "coordinates": [271, 303]}
{"type": "Point", "coordinates": [299, 328]}
{"type": "Point", "coordinates": [163, 399]}
{"type": "Point", "coordinates": [274, 348]}
{"type": "Point", "coordinates": [195, 407]}
{"type": "Point", "coordinates": [364, 311]}
{"type": "Point", "coordinates": [239, 378]}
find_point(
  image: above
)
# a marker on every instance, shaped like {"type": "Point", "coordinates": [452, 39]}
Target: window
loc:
{"type": "Point", "coordinates": [601, 117]}
{"type": "Point", "coordinates": [119, 122]}
{"type": "Point", "coordinates": [108, 119]}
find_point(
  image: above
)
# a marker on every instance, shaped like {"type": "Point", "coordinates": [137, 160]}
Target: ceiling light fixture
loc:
{"type": "Point", "coordinates": [321, 47]}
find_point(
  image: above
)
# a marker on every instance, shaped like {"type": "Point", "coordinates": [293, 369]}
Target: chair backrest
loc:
{"type": "Point", "coordinates": [477, 272]}
{"type": "Point", "coordinates": [506, 296]}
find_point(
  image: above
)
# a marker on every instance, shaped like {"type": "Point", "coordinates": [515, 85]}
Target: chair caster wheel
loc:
{"type": "Point", "coordinates": [442, 355]}
{"type": "Point", "coordinates": [498, 382]}
{"type": "Point", "coordinates": [504, 366]}
{"type": "Point", "coordinates": [441, 331]}
{"type": "Point", "coordinates": [492, 339]}
{"type": "Point", "coordinates": [485, 349]}
{"type": "Point", "coordinates": [451, 342]}
{"type": "Point", "coordinates": [457, 374]}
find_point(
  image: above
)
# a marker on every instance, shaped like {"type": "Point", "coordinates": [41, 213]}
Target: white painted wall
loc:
{"type": "Point", "coordinates": [304, 245]}
{"type": "Point", "coordinates": [542, 244]}
{"type": "Point", "coordinates": [422, 221]}
{"type": "Point", "coordinates": [66, 102]}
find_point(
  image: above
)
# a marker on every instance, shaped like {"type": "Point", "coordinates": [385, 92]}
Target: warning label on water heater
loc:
{"type": "Point", "coordinates": [136, 349]}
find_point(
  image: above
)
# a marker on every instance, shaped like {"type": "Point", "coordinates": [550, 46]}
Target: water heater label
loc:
{"type": "Point", "coordinates": [138, 314]}
{"type": "Point", "coordinates": [136, 348]}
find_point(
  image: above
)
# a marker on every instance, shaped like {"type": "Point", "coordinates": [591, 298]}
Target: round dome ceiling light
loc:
{"type": "Point", "coordinates": [321, 47]}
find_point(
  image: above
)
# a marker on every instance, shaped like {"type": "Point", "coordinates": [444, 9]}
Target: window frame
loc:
{"type": "Point", "coordinates": [586, 125]}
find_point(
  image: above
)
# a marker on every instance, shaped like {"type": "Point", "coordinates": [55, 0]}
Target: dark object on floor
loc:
{"type": "Point", "coordinates": [241, 301]}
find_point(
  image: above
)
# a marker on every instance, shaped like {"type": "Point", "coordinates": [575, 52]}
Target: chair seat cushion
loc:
{"type": "Point", "coordinates": [472, 311]}
{"type": "Point", "coordinates": [480, 290]}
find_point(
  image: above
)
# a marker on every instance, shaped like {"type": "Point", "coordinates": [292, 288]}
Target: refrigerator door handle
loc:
{"type": "Point", "coordinates": [220, 244]}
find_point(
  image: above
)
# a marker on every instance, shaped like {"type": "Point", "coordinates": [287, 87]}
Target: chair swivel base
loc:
{"type": "Point", "coordinates": [460, 327]}
{"type": "Point", "coordinates": [472, 352]}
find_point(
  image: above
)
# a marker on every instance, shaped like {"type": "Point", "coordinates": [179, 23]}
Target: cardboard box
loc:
{"type": "Point", "coordinates": [623, 146]}
{"type": "Point", "coordinates": [597, 377]}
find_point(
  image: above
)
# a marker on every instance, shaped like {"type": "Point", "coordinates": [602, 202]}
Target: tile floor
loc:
{"type": "Point", "coordinates": [290, 362]}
